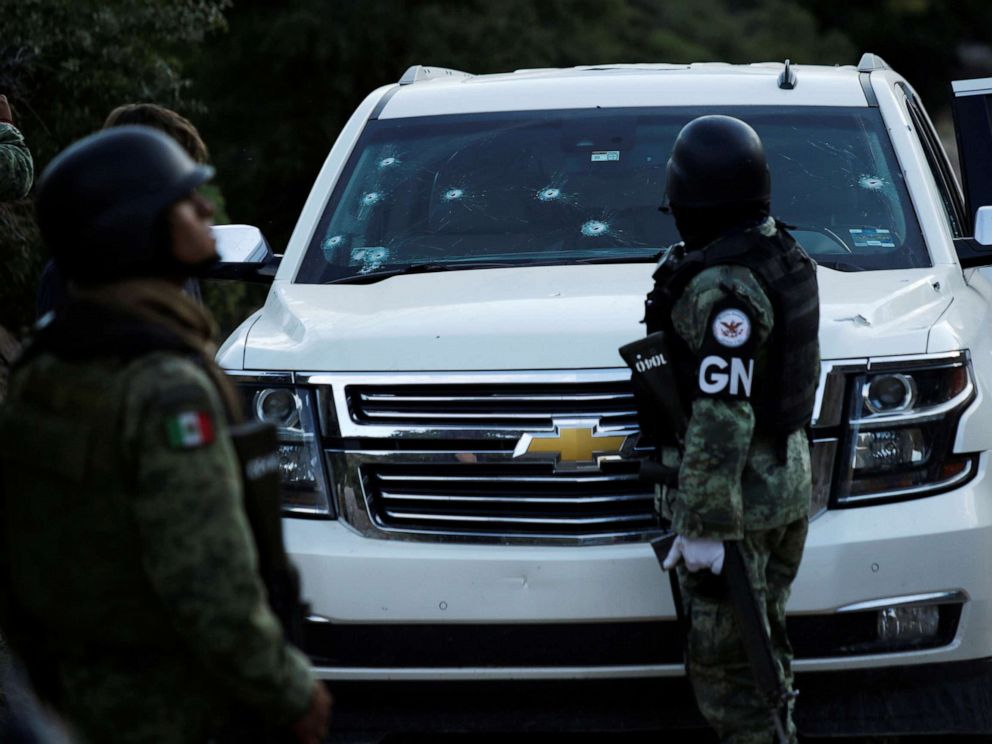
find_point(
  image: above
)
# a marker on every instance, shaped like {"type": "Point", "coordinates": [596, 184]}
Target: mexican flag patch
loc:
{"type": "Point", "coordinates": [190, 429]}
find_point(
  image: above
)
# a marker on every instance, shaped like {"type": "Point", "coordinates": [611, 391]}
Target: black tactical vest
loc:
{"type": "Point", "coordinates": [788, 277]}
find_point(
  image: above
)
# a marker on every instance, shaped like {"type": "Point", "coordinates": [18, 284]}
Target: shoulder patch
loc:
{"type": "Point", "coordinates": [189, 429]}
{"type": "Point", "coordinates": [731, 327]}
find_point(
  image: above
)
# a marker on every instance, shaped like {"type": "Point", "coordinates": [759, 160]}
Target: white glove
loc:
{"type": "Point", "coordinates": [698, 553]}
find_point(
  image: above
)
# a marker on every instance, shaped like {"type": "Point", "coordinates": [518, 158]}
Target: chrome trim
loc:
{"type": "Point", "coordinates": [348, 427]}
{"type": "Point", "coordinates": [511, 478]}
{"type": "Point", "coordinates": [431, 416]}
{"type": "Point", "coordinates": [881, 363]}
{"type": "Point", "coordinates": [829, 403]}
{"type": "Point", "coordinates": [604, 374]}
{"type": "Point", "coordinates": [496, 397]}
{"type": "Point", "coordinates": [521, 520]}
{"type": "Point", "coordinates": [388, 495]}
{"type": "Point", "coordinates": [965, 475]}
{"type": "Point", "coordinates": [823, 458]}
{"type": "Point", "coordinates": [319, 619]}
{"type": "Point", "coordinates": [956, 596]}
{"type": "Point", "coordinates": [259, 377]}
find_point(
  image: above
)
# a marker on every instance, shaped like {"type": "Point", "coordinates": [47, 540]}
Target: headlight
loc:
{"type": "Point", "coordinates": [292, 410]}
{"type": "Point", "coordinates": [903, 421]}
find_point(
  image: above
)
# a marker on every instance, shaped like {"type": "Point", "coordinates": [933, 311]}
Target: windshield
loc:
{"type": "Point", "coordinates": [559, 187]}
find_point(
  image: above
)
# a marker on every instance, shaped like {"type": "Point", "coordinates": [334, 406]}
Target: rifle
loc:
{"type": "Point", "coordinates": [750, 617]}
{"type": "Point", "coordinates": [751, 622]}
{"type": "Point", "coordinates": [257, 448]}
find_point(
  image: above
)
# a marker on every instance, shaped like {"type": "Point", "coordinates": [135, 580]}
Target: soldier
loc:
{"type": "Point", "coordinates": [130, 584]}
{"type": "Point", "coordinates": [737, 300]}
{"type": "Point", "coordinates": [52, 289]}
{"type": "Point", "coordinates": [16, 165]}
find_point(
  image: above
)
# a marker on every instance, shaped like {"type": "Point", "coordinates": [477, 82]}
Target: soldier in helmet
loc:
{"type": "Point", "coordinates": [737, 300]}
{"type": "Point", "coordinates": [128, 577]}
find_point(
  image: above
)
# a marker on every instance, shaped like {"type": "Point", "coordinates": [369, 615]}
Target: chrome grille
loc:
{"type": "Point", "coordinates": [509, 406]}
{"type": "Point", "coordinates": [429, 456]}
{"type": "Point", "coordinates": [509, 500]}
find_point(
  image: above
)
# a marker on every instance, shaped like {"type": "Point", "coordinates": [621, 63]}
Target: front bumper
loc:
{"type": "Point", "coordinates": [938, 544]}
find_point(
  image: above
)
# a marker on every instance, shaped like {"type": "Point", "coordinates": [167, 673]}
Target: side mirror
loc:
{"type": "Point", "coordinates": [977, 251]}
{"type": "Point", "coordinates": [244, 255]}
{"type": "Point", "coordinates": [983, 226]}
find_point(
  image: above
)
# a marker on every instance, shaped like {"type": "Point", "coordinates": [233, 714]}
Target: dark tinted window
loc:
{"type": "Point", "coordinates": [565, 186]}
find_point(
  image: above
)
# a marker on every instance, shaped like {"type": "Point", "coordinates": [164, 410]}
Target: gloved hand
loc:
{"type": "Point", "coordinates": [698, 553]}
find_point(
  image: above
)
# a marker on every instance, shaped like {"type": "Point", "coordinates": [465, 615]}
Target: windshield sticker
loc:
{"type": "Point", "coordinates": [872, 183]}
{"type": "Point", "coordinates": [603, 156]}
{"type": "Point", "coordinates": [872, 237]}
{"type": "Point", "coordinates": [371, 259]}
{"type": "Point", "coordinates": [332, 243]}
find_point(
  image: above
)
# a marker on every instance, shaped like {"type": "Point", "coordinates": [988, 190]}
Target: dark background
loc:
{"type": "Point", "coordinates": [271, 82]}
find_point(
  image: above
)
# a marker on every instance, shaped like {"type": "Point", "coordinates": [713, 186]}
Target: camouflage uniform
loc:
{"type": "Point", "coordinates": [16, 166]}
{"type": "Point", "coordinates": [134, 594]}
{"type": "Point", "coordinates": [734, 486]}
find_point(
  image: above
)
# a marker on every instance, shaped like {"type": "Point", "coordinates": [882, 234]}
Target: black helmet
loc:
{"type": "Point", "coordinates": [717, 161]}
{"type": "Point", "coordinates": [102, 203]}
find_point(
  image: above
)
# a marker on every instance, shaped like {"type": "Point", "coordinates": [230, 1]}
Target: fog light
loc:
{"type": "Point", "coordinates": [908, 624]}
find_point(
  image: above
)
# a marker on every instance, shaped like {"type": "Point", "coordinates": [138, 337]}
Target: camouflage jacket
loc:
{"type": "Point", "coordinates": [131, 586]}
{"type": "Point", "coordinates": [731, 479]}
{"type": "Point", "coordinates": [16, 165]}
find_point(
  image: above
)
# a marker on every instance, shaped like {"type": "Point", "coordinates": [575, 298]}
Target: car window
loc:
{"type": "Point", "coordinates": [561, 187]}
{"type": "Point", "coordinates": [943, 175]}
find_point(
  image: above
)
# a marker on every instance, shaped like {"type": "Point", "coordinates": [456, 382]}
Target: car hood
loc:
{"type": "Point", "coordinates": [548, 317]}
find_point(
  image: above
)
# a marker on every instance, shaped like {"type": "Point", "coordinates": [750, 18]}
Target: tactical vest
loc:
{"type": "Point", "coordinates": [791, 359]}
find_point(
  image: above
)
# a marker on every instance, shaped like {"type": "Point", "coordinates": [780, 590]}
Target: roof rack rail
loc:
{"type": "Point", "coordinates": [787, 80]}
{"type": "Point", "coordinates": [870, 62]}
{"type": "Point", "coordinates": [416, 73]}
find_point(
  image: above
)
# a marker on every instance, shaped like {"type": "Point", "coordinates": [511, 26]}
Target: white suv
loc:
{"type": "Point", "coordinates": [439, 350]}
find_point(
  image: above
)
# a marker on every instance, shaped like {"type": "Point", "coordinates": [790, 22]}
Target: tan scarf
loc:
{"type": "Point", "coordinates": [163, 303]}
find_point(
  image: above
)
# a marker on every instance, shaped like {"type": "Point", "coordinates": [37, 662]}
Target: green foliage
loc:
{"type": "Point", "coordinates": [64, 64]}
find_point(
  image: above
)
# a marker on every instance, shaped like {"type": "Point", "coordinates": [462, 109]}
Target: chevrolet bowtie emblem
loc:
{"type": "Point", "coordinates": [576, 446]}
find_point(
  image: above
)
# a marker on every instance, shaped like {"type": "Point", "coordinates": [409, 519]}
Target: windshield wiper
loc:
{"type": "Point", "coordinates": [649, 258]}
{"type": "Point", "coordinates": [423, 268]}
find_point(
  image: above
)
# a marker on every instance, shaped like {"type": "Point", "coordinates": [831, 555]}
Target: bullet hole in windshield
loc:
{"type": "Point", "coordinates": [595, 228]}
{"type": "Point", "coordinates": [453, 194]}
{"type": "Point", "coordinates": [368, 202]}
{"type": "Point", "coordinates": [872, 183]}
{"type": "Point", "coordinates": [549, 194]}
{"type": "Point", "coordinates": [388, 162]}
{"type": "Point", "coordinates": [369, 259]}
{"type": "Point", "coordinates": [332, 243]}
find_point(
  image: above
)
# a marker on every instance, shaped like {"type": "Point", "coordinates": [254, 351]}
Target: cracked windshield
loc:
{"type": "Point", "coordinates": [563, 187]}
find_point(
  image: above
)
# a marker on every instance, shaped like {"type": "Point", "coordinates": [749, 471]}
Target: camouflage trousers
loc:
{"type": "Point", "coordinates": [717, 662]}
